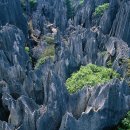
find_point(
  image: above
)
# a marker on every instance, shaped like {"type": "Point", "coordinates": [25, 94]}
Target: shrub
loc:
{"type": "Point", "coordinates": [31, 2]}
{"type": "Point", "coordinates": [81, 1]}
{"type": "Point", "coordinates": [27, 49]}
{"type": "Point", "coordinates": [126, 62]}
{"type": "Point", "coordinates": [103, 53]}
{"type": "Point", "coordinates": [90, 75]}
{"type": "Point", "coordinates": [49, 39]}
{"type": "Point", "coordinates": [125, 123]}
{"type": "Point", "coordinates": [100, 9]}
{"type": "Point", "coordinates": [69, 9]}
{"type": "Point", "coordinates": [109, 63]}
{"type": "Point", "coordinates": [42, 60]}
{"type": "Point", "coordinates": [48, 53]}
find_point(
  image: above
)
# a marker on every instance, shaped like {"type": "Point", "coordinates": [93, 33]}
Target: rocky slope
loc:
{"type": "Point", "coordinates": [36, 98]}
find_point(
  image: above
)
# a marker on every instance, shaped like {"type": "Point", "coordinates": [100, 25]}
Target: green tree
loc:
{"type": "Point", "coordinates": [125, 123]}
{"type": "Point", "coordinates": [100, 9]}
{"type": "Point", "coordinates": [69, 9]}
{"type": "Point", "coordinates": [90, 75]}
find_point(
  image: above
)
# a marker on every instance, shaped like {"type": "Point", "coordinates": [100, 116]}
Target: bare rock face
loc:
{"type": "Point", "coordinates": [14, 61]}
{"type": "Point", "coordinates": [84, 15]}
{"type": "Point", "coordinates": [120, 28]}
{"type": "Point", "coordinates": [37, 99]}
{"type": "Point", "coordinates": [11, 12]}
{"type": "Point", "coordinates": [99, 2]}
{"type": "Point", "coordinates": [108, 17]}
{"type": "Point", "coordinates": [107, 104]}
{"type": "Point", "coordinates": [52, 11]}
{"type": "Point", "coordinates": [13, 45]}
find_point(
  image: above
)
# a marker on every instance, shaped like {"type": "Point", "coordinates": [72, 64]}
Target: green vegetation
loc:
{"type": "Point", "coordinates": [125, 123]}
{"type": "Point", "coordinates": [27, 49]}
{"type": "Point", "coordinates": [90, 75]}
{"type": "Point", "coordinates": [31, 2]}
{"type": "Point", "coordinates": [69, 9]}
{"type": "Point", "coordinates": [81, 1]}
{"type": "Point", "coordinates": [127, 62]}
{"type": "Point", "coordinates": [49, 39]}
{"type": "Point", "coordinates": [103, 53]}
{"type": "Point", "coordinates": [109, 63]}
{"type": "Point", "coordinates": [128, 67]}
{"type": "Point", "coordinates": [48, 53]}
{"type": "Point", "coordinates": [100, 9]}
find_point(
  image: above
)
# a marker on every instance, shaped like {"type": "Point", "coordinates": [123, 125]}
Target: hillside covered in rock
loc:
{"type": "Point", "coordinates": [64, 65]}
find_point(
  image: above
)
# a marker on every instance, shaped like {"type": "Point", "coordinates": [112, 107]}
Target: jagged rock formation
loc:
{"type": "Point", "coordinates": [99, 2]}
{"type": "Point", "coordinates": [102, 105]}
{"type": "Point", "coordinates": [120, 28]}
{"type": "Point", "coordinates": [84, 15]}
{"type": "Point", "coordinates": [11, 12]}
{"type": "Point", "coordinates": [50, 11]}
{"type": "Point", "coordinates": [37, 99]}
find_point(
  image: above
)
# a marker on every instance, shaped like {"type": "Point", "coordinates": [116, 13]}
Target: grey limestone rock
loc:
{"type": "Point", "coordinates": [106, 106]}
{"type": "Point", "coordinates": [37, 98]}
{"type": "Point", "coordinates": [11, 13]}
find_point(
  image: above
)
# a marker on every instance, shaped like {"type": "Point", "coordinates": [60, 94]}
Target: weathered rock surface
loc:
{"type": "Point", "coordinates": [84, 15]}
{"type": "Point", "coordinates": [43, 88]}
{"type": "Point", "coordinates": [106, 105]}
{"type": "Point", "coordinates": [120, 28]}
{"type": "Point", "coordinates": [51, 11]}
{"type": "Point", "coordinates": [37, 99]}
{"type": "Point", "coordinates": [11, 12]}
{"type": "Point", "coordinates": [108, 17]}
{"type": "Point", "coordinates": [14, 61]}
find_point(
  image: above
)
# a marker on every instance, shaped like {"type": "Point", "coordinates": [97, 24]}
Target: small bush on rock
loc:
{"type": "Point", "coordinates": [31, 2]}
{"type": "Point", "coordinates": [69, 9]}
{"type": "Point", "coordinates": [81, 1]}
{"type": "Point", "coordinates": [49, 39]}
{"type": "Point", "coordinates": [125, 123]}
{"type": "Point", "coordinates": [100, 9]}
{"type": "Point", "coordinates": [90, 75]}
{"type": "Point", "coordinates": [48, 53]}
{"type": "Point", "coordinates": [27, 49]}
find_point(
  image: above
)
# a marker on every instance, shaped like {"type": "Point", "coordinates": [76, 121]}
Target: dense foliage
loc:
{"type": "Point", "coordinates": [69, 9]}
{"type": "Point", "coordinates": [90, 75]}
{"type": "Point", "coordinates": [125, 123]}
{"type": "Point", "coordinates": [100, 9]}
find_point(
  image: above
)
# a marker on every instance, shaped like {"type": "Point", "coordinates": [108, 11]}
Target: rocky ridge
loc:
{"type": "Point", "coordinates": [37, 99]}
